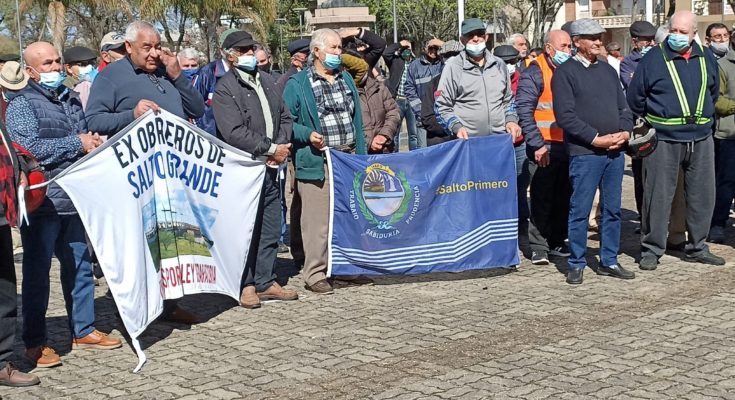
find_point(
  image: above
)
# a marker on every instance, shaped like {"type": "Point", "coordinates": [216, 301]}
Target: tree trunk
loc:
{"type": "Point", "coordinates": [57, 20]}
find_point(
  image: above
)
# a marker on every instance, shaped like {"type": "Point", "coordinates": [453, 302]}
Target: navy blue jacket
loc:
{"type": "Point", "coordinates": [628, 66]}
{"type": "Point", "coordinates": [205, 84]}
{"type": "Point", "coordinates": [652, 91]}
{"type": "Point", "coordinates": [418, 80]}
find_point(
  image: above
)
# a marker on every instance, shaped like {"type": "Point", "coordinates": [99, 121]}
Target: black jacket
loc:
{"type": "Point", "coordinates": [239, 116]}
{"type": "Point", "coordinates": [396, 64]}
{"type": "Point", "coordinates": [435, 133]}
{"type": "Point", "coordinates": [376, 46]}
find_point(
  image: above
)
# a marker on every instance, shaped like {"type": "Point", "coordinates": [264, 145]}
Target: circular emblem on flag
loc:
{"type": "Point", "coordinates": [383, 195]}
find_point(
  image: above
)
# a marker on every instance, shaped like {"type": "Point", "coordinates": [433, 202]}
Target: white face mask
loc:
{"type": "Point", "coordinates": [511, 68]}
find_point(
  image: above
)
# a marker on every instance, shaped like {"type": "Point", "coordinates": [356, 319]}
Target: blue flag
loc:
{"type": "Point", "coordinates": [447, 208]}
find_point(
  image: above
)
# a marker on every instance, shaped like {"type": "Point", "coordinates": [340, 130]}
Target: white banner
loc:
{"type": "Point", "coordinates": [169, 210]}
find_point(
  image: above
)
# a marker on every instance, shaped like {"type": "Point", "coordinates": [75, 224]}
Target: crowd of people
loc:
{"type": "Point", "coordinates": [572, 108]}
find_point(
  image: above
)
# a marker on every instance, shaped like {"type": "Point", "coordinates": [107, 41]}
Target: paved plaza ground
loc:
{"type": "Point", "coordinates": [491, 334]}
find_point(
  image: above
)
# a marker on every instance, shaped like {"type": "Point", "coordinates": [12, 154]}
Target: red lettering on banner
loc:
{"type": "Point", "coordinates": [178, 275]}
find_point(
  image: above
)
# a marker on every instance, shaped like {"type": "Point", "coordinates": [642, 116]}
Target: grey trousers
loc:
{"type": "Point", "coordinates": [660, 175]}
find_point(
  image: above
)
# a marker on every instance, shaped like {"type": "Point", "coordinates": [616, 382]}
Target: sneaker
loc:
{"type": "Point", "coordinates": [560, 251]}
{"type": "Point", "coordinates": [705, 257]}
{"type": "Point", "coordinates": [11, 376]}
{"type": "Point", "coordinates": [276, 292]}
{"type": "Point", "coordinates": [96, 340]}
{"type": "Point", "coordinates": [716, 234]}
{"type": "Point", "coordinates": [43, 357]}
{"type": "Point", "coordinates": [648, 262]}
{"type": "Point", "coordinates": [539, 258]}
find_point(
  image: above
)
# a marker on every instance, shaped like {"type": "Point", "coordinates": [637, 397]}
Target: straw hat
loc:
{"type": "Point", "coordinates": [12, 76]}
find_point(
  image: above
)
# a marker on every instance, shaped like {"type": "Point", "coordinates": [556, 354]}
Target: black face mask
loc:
{"type": "Point", "coordinates": [265, 67]}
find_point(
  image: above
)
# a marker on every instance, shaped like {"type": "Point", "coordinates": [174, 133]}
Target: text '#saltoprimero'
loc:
{"type": "Point", "coordinates": [471, 185]}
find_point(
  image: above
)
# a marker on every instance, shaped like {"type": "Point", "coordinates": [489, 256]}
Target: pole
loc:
{"type": "Point", "coordinates": [20, 41]}
{"type": "Point", "coordinates": [460, 15]}
{"type": "Point", "coordinates": [495, 29]}
{"type": "Point", "coordinates": [649, 10]}
{"type": "Point", "coordinates": [395, 23]}
{"type": "Point", "coordinates": [539, 27]}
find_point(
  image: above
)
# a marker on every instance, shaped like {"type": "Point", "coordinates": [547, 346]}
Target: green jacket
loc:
{"type": "Point", "coordinates": [299, 98]}
{"type": "Point", "coordinates": [725, 105]}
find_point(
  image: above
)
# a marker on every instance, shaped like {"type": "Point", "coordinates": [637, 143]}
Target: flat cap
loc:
{"type": "Point", "coordinates": [238, 39]}
{"type": "Point", "coordinates": [223, 36]}
{"type": "Point", "coordinates": [644, 29]}
{"type": "Point", "coordinates": [78, 54]}
{"type": "Point", "coordinates": [298, 46]}
{"type": "Point", "coordinates": [506, 53]}
{"type": "Point", "coordinates": [9, 57]}
{"type": "Point", "coordinates": [451, 46]}
{"type": "Point", "coordinates": [111, 41]}
{"type": "Point", "coordinates": [471, 25]}
{"type": "Point", "coordinates": [586, 26]}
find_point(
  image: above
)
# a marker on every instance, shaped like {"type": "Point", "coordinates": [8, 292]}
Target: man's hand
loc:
{"type": "Point", "coordinates": [622, 138]}
{"type": "Point", "coordinates": [345, 33]}
{"type": "Point", "coordinates": [542, 157]}
{"type": "Point", "coordinates": [462, 133]}
{"type": "Point", "coordinates": [316, 140]}
{"type": "Point", "coordinates": [143, 106]}
{"type": "Point", "coordinates": [89, 141]}
{"type": "Point", "coordinates": [405, 43]}
{"type": "Point", "coordinates": [281, 153]}
{"type": "Point", "coordinates": [169, 60]}
{"type": "Point", "coordinates": [607, 141]}
{"type": "Point", "coordinates": [514, 130]}
{"type": "Point", "coordinates": [378, 143]}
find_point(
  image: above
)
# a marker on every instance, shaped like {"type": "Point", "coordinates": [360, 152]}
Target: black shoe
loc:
{"type": "Point", "coordinates": [616, 271]}
{"type": "Point", "coordinates": [560, 251]}
{"type": "Point", "coordinates": [676, 247]}
{"type": "Point", "coordinates": [648, 263]}
{"type": "Point", "coordinates": [705, 257]}
{"type": "Point", "coordinates": [574, 276]}
{"type": "Point", "coordinates": [539, 258]}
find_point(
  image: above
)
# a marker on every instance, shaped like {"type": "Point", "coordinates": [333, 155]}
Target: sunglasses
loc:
{"type": "Point", "coordinates": [434, 48]}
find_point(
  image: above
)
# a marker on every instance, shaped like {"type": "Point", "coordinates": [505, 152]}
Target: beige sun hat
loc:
{"type": "Point", "coordinates": [12, 76]}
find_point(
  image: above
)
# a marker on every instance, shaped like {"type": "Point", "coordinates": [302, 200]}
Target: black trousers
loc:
{"type": "Point", "coordinates": [8, 295]}
{"type": "Point", "coordinates": [550, 192]}
{"type": "Point", "coordinates": [261, 262]}
{"type": "Point", "coordinates": [637, 167]}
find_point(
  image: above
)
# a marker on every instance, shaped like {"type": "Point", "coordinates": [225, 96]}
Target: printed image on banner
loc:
{"type": "Point", "coordinates": [169, 210]}
{"type": "Point", "coordinates": [446, 208]}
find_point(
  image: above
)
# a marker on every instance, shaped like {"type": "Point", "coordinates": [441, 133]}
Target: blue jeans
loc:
{"type": "Point", "coordinates": [523, 179]}
{"type": "Point", "coordinates": [587, 173]}
{"type": "Point", "coordinates": [725, 178]}
{"type": "Point", "coordinates": [407, 113]}
{"type": "Point", "coordinates": [64, 236]}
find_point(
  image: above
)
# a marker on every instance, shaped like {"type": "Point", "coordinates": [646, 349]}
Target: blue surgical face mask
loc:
{"type": "Point", "coordinates": [51, 80]}
{"type": "Point", "coordinates": [677, 41]}
{"type": "Point", "coordinates": [475, 49]}
{"type": "Point", "coordinates": [247, 62]}
{"type": "Point", "coordinates": [87, 73]}
{"type": "Point", "coordinates": [332, 61]}
{"type": "Point", "coordinates": [559, 57]}
{"type": "Point", "coordinates": [189, 73]}
{"type": "Point", "coordinates": [645, 50]}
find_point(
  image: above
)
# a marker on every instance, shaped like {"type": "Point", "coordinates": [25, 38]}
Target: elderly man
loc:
{"type": "Point", "coordinates": [149, 78]}
{"type": "Point", "coordinates": [325, 106]}
{"type": "Point", "coordinates": [265, 62]}
{"type": "Point", "coordinates": [206, 84]}
{"type": "Point", "coordinates": [717, 38]}
{"type": "Point", "coordinates": [474, 97]}
{"type": "Point", "coordinates": [549, 161]}
{"type": "Point", "coordinates": [251, 116]}
{"type": "Point", "coordinates": [299, 51]}
{"type": "Point", "coordinates": [112, 48]}
{"type": "Point", "coordinates": [519, 42]}
{"type": "Point", "coordinates": [189, 62]}
{"type": "Point", "coordinates": [398, 56]}
{"type": "Point", "coordinates": [590, 107]}
{"type": "Point", "coordinates": [47, 119]}
{"type": "Point", "coordinates": [642, 37]}
{"type": "Point", "coordinates": [80, 64]}
{"type": "Point", "coordinates": [420, 73]}
{"type": "Point", "coordinates": [675, 89]}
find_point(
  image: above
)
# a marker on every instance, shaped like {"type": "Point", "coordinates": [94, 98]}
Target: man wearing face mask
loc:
{"type": "Point", "coordinates": [265, 62]}
{"type": "Point", "coordinates": [149, 78]}
{"type": "Point", "coordinates": [80, 64]}
{"type": "Point", "coordinates": [475, 94]}
{"type": "Point", "coordinates": [642, 35]}
{"type": "Point", "coordinates": [326, 111]}
{"type": "Point", "coordinates": [189, 62]}
{"type": "Point", "coordinates": [549, 161]}
{"type": "Point", "coordinates": [675, 88]}
{"type": "Point", "coordinates": [717, 38]}
{"type": "Point", "coordinates": [206, 83]}
{"type": "Point", "coordinates": [251, 116]}
{"type": "Point", "coordinates": [47, 119]}
{"type": "Point", "coordinates": [398, 57]}
{"type": "Point", "coordinates": [299, 51]}
{"type": "Point", "coordinates": [420, 73]}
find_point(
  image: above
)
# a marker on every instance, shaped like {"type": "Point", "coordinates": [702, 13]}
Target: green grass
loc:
{"type": "Point", "coordinates": [185, 245]}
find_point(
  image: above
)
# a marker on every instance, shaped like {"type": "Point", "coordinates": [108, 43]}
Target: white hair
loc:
{"type": "Point", "coordinates": [512, 38]}
{"type": "Point", "coordinates": [319, 39]}
{"type": "Point", "coordinates": [661, 33]}
{"type": "Point", "coordinates": [135, 27]}
{"type": "Point", "coordinates": [188, 53]}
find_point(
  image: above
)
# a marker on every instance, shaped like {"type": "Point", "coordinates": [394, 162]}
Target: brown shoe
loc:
{"type": "Point", "coordinates": [96, 340]}
{"type": "Point", "coordinates": [354, 280]}
{"type": "Point", "coordinates": [276, 292]}
{"type": "Point", "coordinates": [321, 287]}
{"type": "Point", "coordinates": [248, 298]}
{"type": "Point", "coordinates": [43, 357]}
{"type": "Point", "coordinates": [180, 316]}
{"type": "Point", "coordinates": [11, 376]}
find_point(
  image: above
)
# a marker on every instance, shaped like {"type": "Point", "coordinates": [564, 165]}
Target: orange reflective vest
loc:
{"type": "Point", "coordinates": [544, 113]}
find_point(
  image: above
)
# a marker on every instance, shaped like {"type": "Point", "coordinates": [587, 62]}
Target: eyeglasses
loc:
{"type": "Point", "coordinates": [720, 37]}
{"type": "Point", "coordinates": [434, 48]}
{"type": "Point", "coordinates": [156, 82]}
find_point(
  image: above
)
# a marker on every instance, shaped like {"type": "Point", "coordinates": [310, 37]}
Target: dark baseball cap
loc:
{"type": "Point", "coordinates": [471, 25]}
